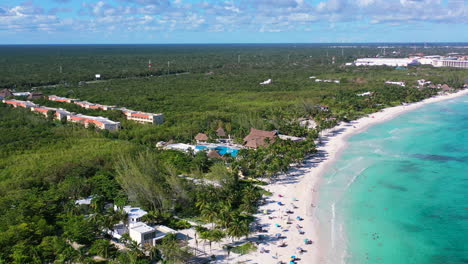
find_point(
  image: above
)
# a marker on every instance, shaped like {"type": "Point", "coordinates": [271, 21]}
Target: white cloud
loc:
{"type": "Point", "coordinates": [218, 16]}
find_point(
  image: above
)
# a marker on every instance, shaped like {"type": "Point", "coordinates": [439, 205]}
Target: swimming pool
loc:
{"type": "Point", "coordinates": [220, 149]}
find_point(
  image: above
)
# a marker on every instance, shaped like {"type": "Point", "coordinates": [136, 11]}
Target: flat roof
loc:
{"type": "Point", "coordinates": [134, 212]}
{"type": "Point", "coordinates": [142, 228]}
{"type": "Point", "coordinates": [97, 118]}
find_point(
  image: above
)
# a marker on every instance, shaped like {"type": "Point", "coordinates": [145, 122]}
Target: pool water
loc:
{"type": "Point", "coordinates": [221, 150]}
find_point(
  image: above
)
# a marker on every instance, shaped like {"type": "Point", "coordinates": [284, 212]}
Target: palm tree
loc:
{"type": "Point", "coordinates": [210, 213]}
{"type": "Point", "coordinates": [238, 227]}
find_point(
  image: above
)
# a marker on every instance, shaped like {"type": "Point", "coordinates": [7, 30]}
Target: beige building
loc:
{"type": "Point", "coordinates": [142, 117]}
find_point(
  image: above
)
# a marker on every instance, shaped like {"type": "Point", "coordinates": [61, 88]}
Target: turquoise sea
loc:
{"type": "Point", "coordinates": [399, 191]}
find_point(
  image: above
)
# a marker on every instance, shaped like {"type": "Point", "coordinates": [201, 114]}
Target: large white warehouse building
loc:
{"type": "Point", "coordinates": [384, 62]}
{"type": "Point", "coordinates": [451, 63]}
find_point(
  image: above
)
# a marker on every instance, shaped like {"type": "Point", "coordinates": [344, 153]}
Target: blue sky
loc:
{"type": "Point", "coordinates": [233, 21]}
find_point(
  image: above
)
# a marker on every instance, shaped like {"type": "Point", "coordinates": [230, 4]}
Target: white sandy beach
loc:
{"type": "Point", "coordinates": [298, 192]}
{"type": "Point", "coordinates": [302, 184]}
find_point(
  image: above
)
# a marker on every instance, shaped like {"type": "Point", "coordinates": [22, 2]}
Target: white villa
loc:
{"type": "Point", "coordinates": [139, 231]}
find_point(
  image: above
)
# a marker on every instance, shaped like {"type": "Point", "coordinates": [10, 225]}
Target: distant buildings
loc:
{"type": "Point", "coordinates": [266, 82]}
{"type": "Point", "coordinates": [88, 105]}
{"type": "Point", "coordinates": [451, 63]}
{"type": "Point", "coordinates": [18, 103]}
{"type": "Point", "coordinates": [61, 99]}
{"type": "Point", "coordinates": [402, 84]}
{"type": "Point", "coordinates": [323, 108]}
{"type": "Point", "coordinates": [384, 62]}
{"type": "Point", "coordinates": [34, 95]}
{"type": "Point", "coordinates": [327, 81]}
{"type": "Point", "coordinates": [137, 116]}
{"type": "Point", "coordinates": [365, 94]}
{"type": "Point", "coordinates": [5, 93]}
{"type": "Point", "coordinates": [59, 113]}
{"type": "Point", "coordinates": [434, 60]}
{"type": "Point", "coordinates": [21, 94]}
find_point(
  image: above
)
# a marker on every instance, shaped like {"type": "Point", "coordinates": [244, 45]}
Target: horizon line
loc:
{"type": "Point", "coordinates": [235, 43]}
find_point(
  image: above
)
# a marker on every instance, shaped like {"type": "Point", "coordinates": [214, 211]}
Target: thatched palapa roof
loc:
{"type": "Point", "coordinates": [259, 138]}
{"type": "Point", "coordinates": [201, 137]}
{"type": "Point", "coordinates": [213, 154]}
{"type": "Point", "coordinates": [220, 132]}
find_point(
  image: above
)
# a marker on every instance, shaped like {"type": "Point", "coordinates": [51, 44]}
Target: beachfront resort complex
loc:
{"type": "Point", "coordinates": [285, 153]}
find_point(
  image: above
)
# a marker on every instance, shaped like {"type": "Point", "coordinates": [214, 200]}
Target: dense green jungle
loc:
{"type": "Point", "coordinates": [45, 165]}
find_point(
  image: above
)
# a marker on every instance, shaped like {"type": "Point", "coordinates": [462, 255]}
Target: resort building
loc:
{"type": "Point", "coordinates": [89, 105]}
{"type": "Point", "coordinates": [35, 95]}
{"type": "Point", "coordinates": [134, 213]}
{"type": "Point", "coordinates": [43, 110]}
{"type": "Point", "coordinates": [18, 103]}
{"type": "Point", "coordinates": [201, 137]}
{"type": "Point", "coordinates": [259, 138]}
{"type": "Point", "coordinates": [323, 108]}
{"type": "Point", "coordinates": [220, 132]}
{"type": "Point", "coordinates": [402, 84]}
{"type": "Point", "coordinates": [61, 99]}
{"type": "Point", "coordinates": [5, 93]}
{"type": "Point", "coordinates": [98, 121]}
{"type": "Point", "coordinates": [62, 113]}
{"type": "Point", "coordinates": [22, 94]}
{"type": "Point", "coordinates": [139, 232]}
{"type": "Point", "coordinates": [142, 233]}
{"type": "Point", "coordinates": [142, 117]}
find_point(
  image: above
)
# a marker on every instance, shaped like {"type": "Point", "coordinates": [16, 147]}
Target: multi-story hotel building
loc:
{"type": "Point", "coordinates": [143, 117]}
{"type": "Point", "coordinates": [61, 99]}
{"type": "Point", "coordinates": [18, 103]}
{"type": "Point", "coordinates": [98, 121]}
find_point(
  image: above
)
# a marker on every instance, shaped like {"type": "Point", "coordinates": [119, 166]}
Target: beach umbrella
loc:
{"type": "Point", "coordinates": [279, 203]}
{"type": "Point", "coordinates": [265, 211]}
{"type": "Point", "coordinates": [277, 235]}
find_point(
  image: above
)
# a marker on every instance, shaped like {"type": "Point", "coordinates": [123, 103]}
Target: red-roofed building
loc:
{"type": "Point", "coordinates": [142, 117]}
{"type": "Point", "coordinates": [98, 121]}
{"type": "Point", "coordinates": [18, 103]}
{"type": "Point", "coordinates": [61, 99]}
{"type": "Point", "coordinates": [43, 110]}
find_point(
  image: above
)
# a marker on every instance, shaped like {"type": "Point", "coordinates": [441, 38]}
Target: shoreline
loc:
{"type": "Point", "coordinates": [302, 181]}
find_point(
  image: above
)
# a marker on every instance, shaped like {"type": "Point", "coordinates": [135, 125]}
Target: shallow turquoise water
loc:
{"type": "Point", "coordinates": [398, 193]}
{"type": "Point", "coordinates": [221, 150]}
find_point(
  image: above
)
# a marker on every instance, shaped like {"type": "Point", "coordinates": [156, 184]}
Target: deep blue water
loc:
{"type": "Point", "coordinates": [399, 192]}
